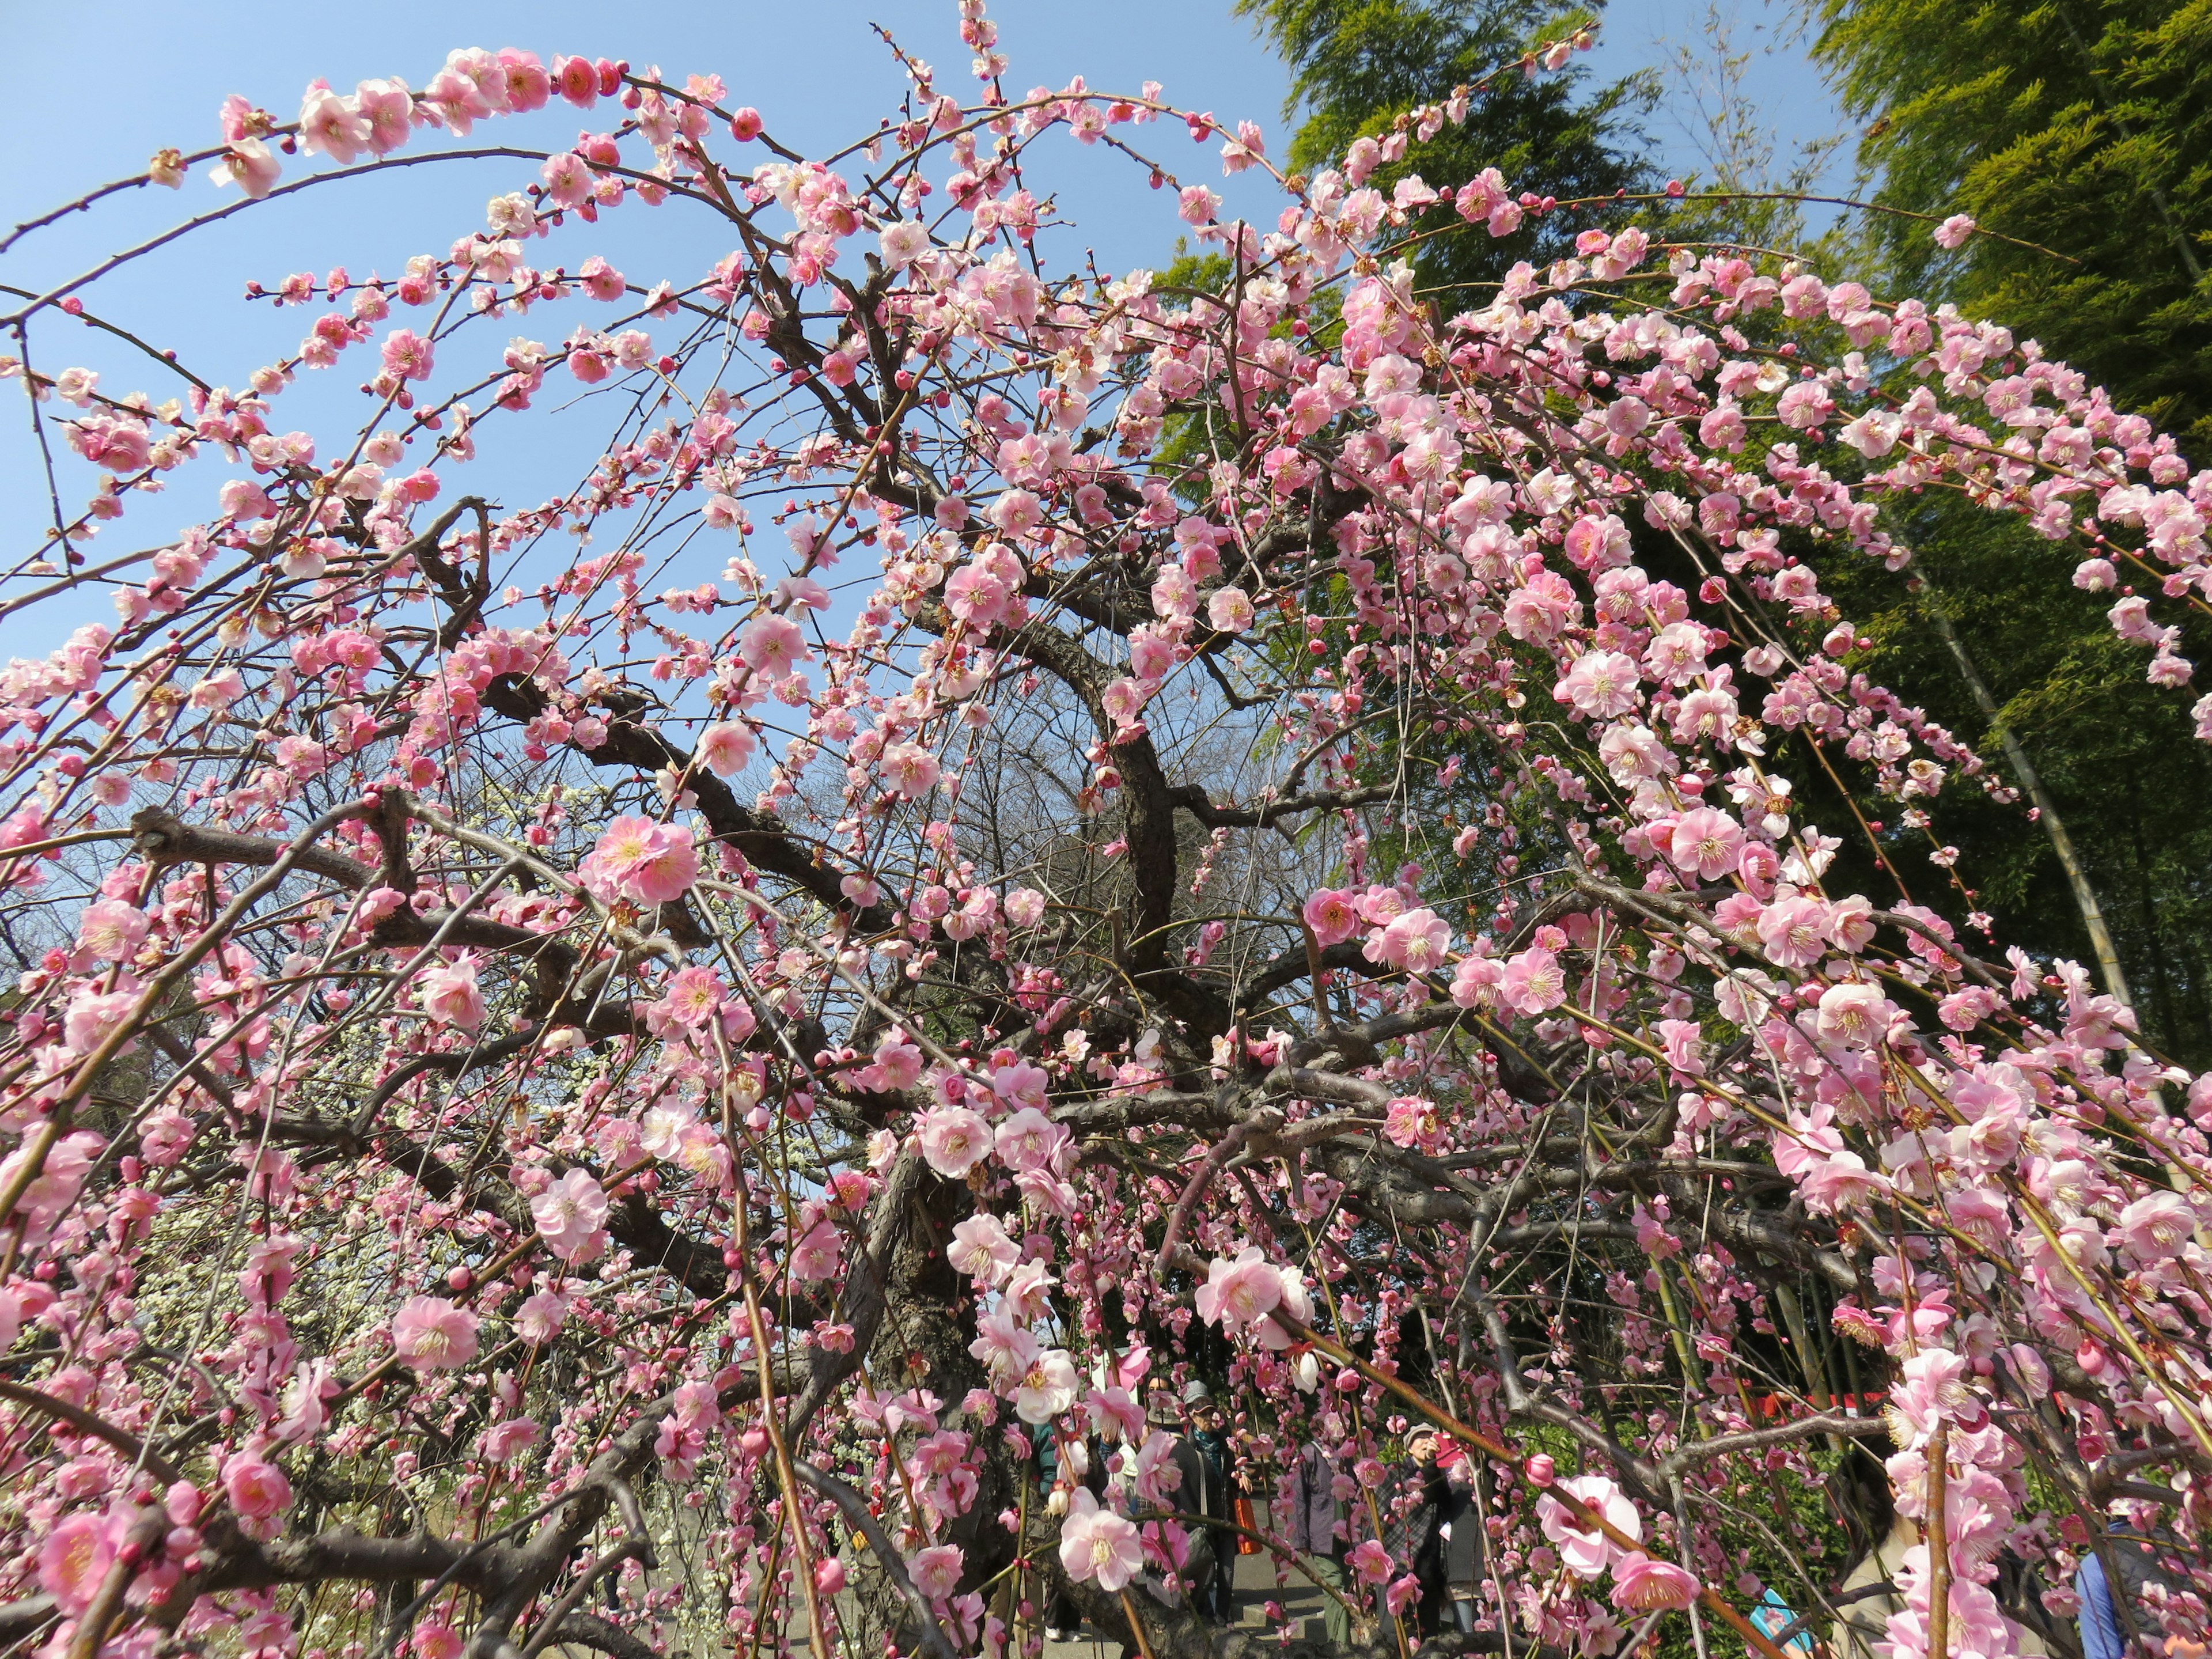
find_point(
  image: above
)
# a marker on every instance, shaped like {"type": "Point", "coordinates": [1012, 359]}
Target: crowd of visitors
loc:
{"type": "Point", "coordinates": [1404, 1536]}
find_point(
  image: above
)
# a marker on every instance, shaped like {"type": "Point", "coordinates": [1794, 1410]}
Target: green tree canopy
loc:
{"type": "Point", "coordinates": [1359, 66]}
{"type": "Point", "coordinates": [2084, 126]}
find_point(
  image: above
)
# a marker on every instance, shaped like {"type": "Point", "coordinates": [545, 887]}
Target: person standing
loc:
{"type": "Point", "coordinates": [1418, 1503]}
{"type": "Point", "coordinates": [1315, 1530]}
{"type": "Point", "coordinates": [1216, 1599]}
{"type": "Point", "coordinates": [1063, 1620]}
{"type": "Point", "coordinates": [1460, 1531]}
{"type": "Point", "coordinates": [2134, 1553]}
{"type": "Point", "coordinates": [1163, 1415]}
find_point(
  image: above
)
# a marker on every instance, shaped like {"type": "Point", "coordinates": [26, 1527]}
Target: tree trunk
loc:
{"type": "Point", "coordinates": [2077, 878]}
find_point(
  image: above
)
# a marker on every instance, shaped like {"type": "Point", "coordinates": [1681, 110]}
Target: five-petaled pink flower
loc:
{"type": "Point", "coordinates": [1706, 843]}
{"type": "Point", "coordinates": [73, 1561]}
{"type": "Point", "coordinates": [773, 646]}
{"type": "Point", "coordinates": [644, 861]}
{"type": "Point", "coordinates": [954, 1139]}
{"type": "Point", "coordinates": [571, 1216]}
{"type": "Point", "coordinates": [407, 354]}
{"type": "Point", "coordinates": [1641, 1585]}
{"type": "Point", "coordinates": [1588, 1552]}
{"type": "Point", "coordinates": [1097, 1546]}
{"type": "Point", "coordinates": [1331, 915]}
{"type": "Point", "coordinates": [450, 994]}
{"type": "Point", "coordinates": [256, 1487]}
{"type": "Point", "coordinates": [430, 1334]}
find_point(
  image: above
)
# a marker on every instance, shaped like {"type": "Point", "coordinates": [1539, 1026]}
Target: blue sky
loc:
{"type": "Point", "coordinates": [100, 89]}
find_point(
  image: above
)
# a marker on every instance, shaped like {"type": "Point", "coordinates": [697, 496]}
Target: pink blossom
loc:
{"type": "Point", "coordinates": [1476, 981]}
{"type": "Point", "coordinates": [571, 1216]}
{"type": "Point", "coordinates": [815, 1254]}
{"type": "Point", "coordinates": [773, 646]}
{"type": "Point", "coordinates": [980, 1250]}
{"type": "Point", "coordinates": [576, 81]}
{"type": "Point", "coordinates": [1230, 610]}
{"type": "Point", "coordinates": [693, 995]}
{"type": "Point", "coordinates": [1854, 1016]}
{"type": "Point", "coordinates": [601, 280]}
{"type": "Point", "coordinates": [1240, 1292]}
{"type": "Point", "coordinates": [1706, 843]}
{"type": "Point", "coordinates": [936, 1569]}
{"type": "Point", "coordinates": [93, 1017]}
{"type": "Point", "coordinates": [1415, 941]}
{"type": "Point", "coordinates": [910, 769]}
{"type": "Point", "coordinates": [1330, 913]}
{"type": "Point", "coordinates": [332, 125]}
{"type": "Point", "coordinates": [1532, 981]}
{"type": "Point", "coordinates": [256, 1489]}
{"type": "Point", "coordinates": [1097, 1546]}
{"type": "Point", "coordinates": [725, 747]}
{"type": "Point", "coordinates": [1588, 1553]}
{"type": "Point", "coordinates": [1370, 1562]}
{"type": "Point", "coordinates": [407, 355]}
{"type": "Point", "coordinates": [903, 241]}
{"type": "Point", "coordinates": [1602, 685]}
{"type": "Point", "coordinates": [505, 1441]}
{"type": "Point", "coordinates": [1795, 931]}
{"type": "Point", "coordinates": [73, 1561]}
{"type": "Point", "coordinates": [49, 1196]}
{"type": "Point", "coordinates": [1046, 1387]}
{"type": "Point", "coordinates": [1028, 1140]}
{"type": "Point", "coordinates": [449, 993]}
{"type": "Point", "coordinates": [250, 165]}
{"type": "Point", "coordinates": [1410, 1121]}
{"type": "Point", "coordinates": [1955, 231]}
{"type": "Point", "coordinates": [538, 1319]}
{"type": "Point", "coordinates": [568, 179]}
{"type": "Point", "coordinates": [430, 1334]}
{"type": "Point", "coordinates": [1643, 1585]}
{"type": "Point", "coordinates": [898, 1064]}
{"type": "Point", "coordinates": [953, 1139]}
{"type": "Point", "coordinates": [388, 109]}
{"type": "Point", "coordinates": [644, 861]}
{"type": "Point", "coordinates": [2154, 1227]}
{"type": "Point", "coordinates": [111, 931]}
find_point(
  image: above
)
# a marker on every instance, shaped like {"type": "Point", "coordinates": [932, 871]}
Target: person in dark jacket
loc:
{"type": "Point", "coordinates": [1460, 1529]}
{"type": "Point", "coordinates": [1216, 1598]}
{"type": "Point", "coordinates": [1062, 1618]}
{"type": "Point", "coordinates": [1416, 1506]}
{"type": "Point", "coordinates": [1164, 1414]}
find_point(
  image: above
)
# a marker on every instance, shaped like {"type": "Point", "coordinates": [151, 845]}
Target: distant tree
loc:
{"type": "Point", "coordinates": [2085, 129]}
{"type": "Point", "coordinates": [1358, 69]}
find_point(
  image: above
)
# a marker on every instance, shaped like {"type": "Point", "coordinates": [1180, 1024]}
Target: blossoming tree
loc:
{"type": "Point", "coordinates": [597, 1073]}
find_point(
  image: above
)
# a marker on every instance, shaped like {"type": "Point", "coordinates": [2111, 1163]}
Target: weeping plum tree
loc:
{"type": "Point", "coordinates": [594, 1073]}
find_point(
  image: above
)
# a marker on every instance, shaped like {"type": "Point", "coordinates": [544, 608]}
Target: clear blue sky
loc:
{"type": "Point", "coordinates": [1778, 79]}
{"type": "Point", "coordinates": [96, 90]}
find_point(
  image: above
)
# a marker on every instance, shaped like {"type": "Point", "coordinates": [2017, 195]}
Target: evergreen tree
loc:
{"type": "Point", "coordinates": [2082, 126]}
{"type": "Point", "coordinates": [1358, 66]}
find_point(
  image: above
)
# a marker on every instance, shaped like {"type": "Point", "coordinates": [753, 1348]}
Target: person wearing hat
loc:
{"type": "Point", "coordinates": [1164, 1414]}
{"type": "Point", "coordinates": [1417, 1504]}
{"type": "Point", "coordinates": [1216, 1599]}
{"type": "Point", "coordinates": [1461, 1529]}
